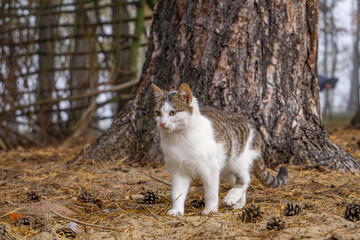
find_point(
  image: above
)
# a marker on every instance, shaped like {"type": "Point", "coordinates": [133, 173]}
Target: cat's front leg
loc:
{"type": "Point", "coordinates": [179, 189]}
{"type": "Point", "coordinates": [211, 183]}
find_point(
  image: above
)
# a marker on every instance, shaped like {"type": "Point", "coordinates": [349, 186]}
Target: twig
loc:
{"type": "Point", "coordinates": [2, 144]}
{"type": "Point", "coordinates": [76, 97]}
{"type": "Point", "coordinates": [84, 223]}
{"type": "Point", "coordinates": [26, 137]}
{"type": "Point", "coordinates": [8, 230]}
{"type": "Point", "coordinates": [69, 25]}
{"type": "Point", "coordinates": [83, 123]}
{"type": "Point", "coordinates": [52, 6]}
{"type": "Point", "coordinates": [47, 10]}
{"type": "Point", "coordinates": [124, 47]}
{"type": "Point", "coordinates": [98, 105]}
{"type": "Point", "coordinates": [159, 180]}
{"type": "Point", "coordinates": [320, 167]}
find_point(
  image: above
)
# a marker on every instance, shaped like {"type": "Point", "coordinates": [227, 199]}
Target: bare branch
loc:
{"type": "Point", "coordinates": [51, 101]}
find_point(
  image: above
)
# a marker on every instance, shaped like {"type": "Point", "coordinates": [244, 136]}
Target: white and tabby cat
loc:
{"type": "Point", "coordinates": [210, 145]}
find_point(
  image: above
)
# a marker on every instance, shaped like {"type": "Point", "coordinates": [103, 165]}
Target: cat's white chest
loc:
{"type": "Point", "coordinates": [193, 151]}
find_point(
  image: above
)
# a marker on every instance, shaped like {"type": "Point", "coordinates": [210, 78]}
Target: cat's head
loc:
{"type": "Point", "coordinates": [173, 109]}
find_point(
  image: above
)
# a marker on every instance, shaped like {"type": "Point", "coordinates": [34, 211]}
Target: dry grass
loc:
{"type": "Point", "coordinates": [116, 185]}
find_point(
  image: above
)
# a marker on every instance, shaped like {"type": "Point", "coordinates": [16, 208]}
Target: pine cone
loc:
{"type": "Point", "coordinates": [198, 203]}
{"type": "Point", "coordinates": [308, 206]}
{"type": "Point", "coordinates": [251, 214]}
{"type": "Point", "coordinates": [98, 202]}
{"type": "Point", "coordinates": [66, 232]}
{"type": "Point", "coordinates": [275, 223]}
{"type": "Point", "coordinates": [33, 196]}
{"type": "Point", "coordinates": [151, 197]}
{"type": "Point", "coordinates": [26, 221]}
{"type": "Point", "coordinates": [291, 209]}
{"type": "Point", "coordinates": [85, 196]}
{"type": "Point", "coordinates": [352, 212]}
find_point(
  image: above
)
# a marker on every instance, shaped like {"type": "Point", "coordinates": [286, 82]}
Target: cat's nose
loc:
{"type": "Point", "coordinates": [162, 123]}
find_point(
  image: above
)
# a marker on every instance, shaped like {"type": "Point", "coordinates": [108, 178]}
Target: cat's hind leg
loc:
{"type": "Point", "coordinates": [236, 197]}
{"type": "Point", "coordinates": [241, 168]}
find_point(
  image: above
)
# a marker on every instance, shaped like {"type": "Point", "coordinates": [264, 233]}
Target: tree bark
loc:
{"type": "Point", "coordinates": [254, 57]}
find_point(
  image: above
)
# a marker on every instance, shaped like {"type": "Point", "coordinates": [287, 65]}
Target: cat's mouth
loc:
{"type": "Point", "coordinates": [165, 128]}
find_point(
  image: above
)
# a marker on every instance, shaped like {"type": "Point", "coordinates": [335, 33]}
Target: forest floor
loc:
{"type": "Point", "coordinates": [36, 183]}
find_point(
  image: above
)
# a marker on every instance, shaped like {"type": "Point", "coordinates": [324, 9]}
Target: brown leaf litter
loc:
{"type": "Point", "coordinates": [120, 212]}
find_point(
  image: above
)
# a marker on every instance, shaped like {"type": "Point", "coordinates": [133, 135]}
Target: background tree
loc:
{"type": "Point", "coordinates": [354, 100]}
{"type": "Point", "coordinates": [83, 67]}
{"type": "Point", "coordinates": [354, 90]}
{"type": "Point", "coordinates": [328, 31]}
{"type": "Point", "coordinates": [254, 57]}
{"type": "Point", "coordinates": [64, 64]}
{"type": "Point", "coordinates": [355, 121]}
{"type": "Point", "coordinates": [121, 12]}
{"type": "Point", "coordinates": [46, 84]}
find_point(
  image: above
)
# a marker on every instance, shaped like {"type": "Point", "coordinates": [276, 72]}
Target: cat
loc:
{"type": "Point", "coordinates": [210, 145]}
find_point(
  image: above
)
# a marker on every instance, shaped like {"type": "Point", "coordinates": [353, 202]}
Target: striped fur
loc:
{"type": "Point", "coordinates": [228, 124]}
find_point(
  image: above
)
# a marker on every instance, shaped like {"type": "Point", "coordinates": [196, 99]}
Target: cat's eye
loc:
{"type": "Point", "coordinates": [158, 113]}
{"type": "Point", "coordinates": [172, 113]}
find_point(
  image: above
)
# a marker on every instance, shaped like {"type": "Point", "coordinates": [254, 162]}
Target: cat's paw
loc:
{"type": "Point", "coordinates": [233, 196]}
{"type": "Point", "coordinates": [240, 204]}
{"type": "Point", "coordinates": [175, 212]}
{"type": "Point", "coordinates": [207, 211]}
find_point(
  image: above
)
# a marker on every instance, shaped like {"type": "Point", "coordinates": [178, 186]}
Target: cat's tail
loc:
{"type": "Point", "coordinates": [266, 178]}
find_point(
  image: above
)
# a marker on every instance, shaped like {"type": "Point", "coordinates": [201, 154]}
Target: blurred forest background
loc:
{"type": "Point", "coordinates": [69, 66]}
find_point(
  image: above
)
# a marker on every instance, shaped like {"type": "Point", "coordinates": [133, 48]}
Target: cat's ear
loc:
{"type": "Point", "coordinates": [157, 91]}
{"type": "Point", "coordinates": [184, 93]}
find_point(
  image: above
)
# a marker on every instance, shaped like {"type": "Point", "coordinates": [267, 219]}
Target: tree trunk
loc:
{"type": "Point", "coordinates": [355, 121]}
{"type": "Point", "coordinates": [254, 57]}
{"type": "Point", "coordinates": [121, 56]}
{"type": "Point", "coordinates": [46, 82]}
{"type": "Point", "coordinates": [334, 56]}
{"type": "Point", "coordinates": [325, 12]}
{"type": "Point", "coordinates": [82, 80]}
{"type": "Point", "coordinates": [139, 27]}
{"type": "Point", "coordinates": [354, 90]}
{"type": "Point", "coordinates": [328, 31]}
{"type": "Point", "coordinates": [324, 9]}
